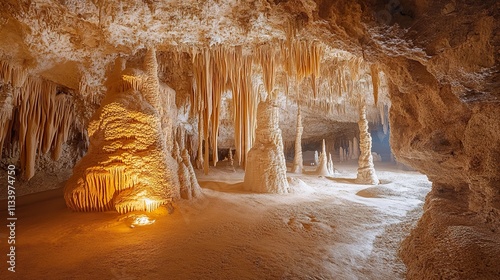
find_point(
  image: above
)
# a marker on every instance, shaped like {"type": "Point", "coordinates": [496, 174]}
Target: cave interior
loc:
{"type": "Point", "coordinates": [250, 139]}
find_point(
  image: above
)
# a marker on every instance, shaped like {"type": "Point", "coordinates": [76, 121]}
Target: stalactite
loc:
{"type": "Point", "coordinates": [267, 59]}
{"type": "Point", "coordinates": [231, 159]}
{"type": "Point", "coordinates": [375, 81]}
{"type": "Point", "coordinates": [366, 170]}
{"type": "Point", "coordinates": [199, 155]}
{"type": "Point", "coordinates": [298, 162]}
{"type": "Point", "coordinates": [216, 71]}
{"type": "Point", "coordinates": [45, 117]}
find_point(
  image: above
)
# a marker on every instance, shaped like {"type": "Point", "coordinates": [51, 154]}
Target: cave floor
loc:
{"type": "Point", "coordinates": [333, 230]}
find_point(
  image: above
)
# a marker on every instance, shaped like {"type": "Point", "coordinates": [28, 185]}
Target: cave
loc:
{"type": "Point", "coordinates": [256, 139]}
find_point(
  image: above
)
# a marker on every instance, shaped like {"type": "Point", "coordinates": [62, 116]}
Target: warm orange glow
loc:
{"type": "Point", "coordinates": [142, 220]}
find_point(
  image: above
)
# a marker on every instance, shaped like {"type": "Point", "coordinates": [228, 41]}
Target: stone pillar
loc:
{"type": "Point", "coordinates": [366, 170]}
{"type": "Point", "coordinates": [298, 162]}
{"type": "Point", "coordinates": [265, 170]}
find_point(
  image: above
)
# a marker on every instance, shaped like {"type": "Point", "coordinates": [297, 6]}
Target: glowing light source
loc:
{"type": "Point", "coordinates": [142, 220]}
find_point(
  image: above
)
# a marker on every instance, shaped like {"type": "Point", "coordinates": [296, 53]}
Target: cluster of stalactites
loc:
{"type": "Point", "coordinates": [343, 83]}
{"type": "Point", "coordinates": [215, 71]}
{"type": "Point", "coordinates": [332, 87]}
{"type": "Point", "coordinates": [302, 59]}
{"type": "Point", "coordinates": [105, 182]}
{"type": "Point", "coordinates": [222, 69]}
{"type": "Point", "coordinates": [44, 117]}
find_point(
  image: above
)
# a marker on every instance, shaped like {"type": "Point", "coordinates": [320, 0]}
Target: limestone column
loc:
{"type": "Point", "coordinates": [298, 162]}
{"type": "Point", "coordinates": [366, 170]}
{"type": "Point", "coordinates": [265, 170]}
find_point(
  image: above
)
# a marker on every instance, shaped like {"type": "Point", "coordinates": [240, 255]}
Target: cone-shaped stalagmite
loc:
{"type": "Point", "coordinates": [298, 162]}
{"type": "Point", "coordinates": [366, 170]}
{"type": "Point", "coordinates": [128, 166]}
{"type": "Point", "coordinates": [266, 168]}
{"type": "Point", "coordinates": [322, 168]}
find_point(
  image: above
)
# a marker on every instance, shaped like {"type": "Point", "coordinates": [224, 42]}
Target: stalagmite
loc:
{"type": "Point", "coordinates": [322, 168]}
{"type": "Point", "coordinates": [316, 158]}
{"type": "Point", "coordinates": [341, 154]}
{"type": "Point", "coordinates": [266, 168]}
{"type": "Point", "coordinates": [298, 162]}
{"type": "Point", "coordinates": [366, 170]}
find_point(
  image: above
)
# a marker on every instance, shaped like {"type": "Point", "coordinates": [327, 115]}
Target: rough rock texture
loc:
{"type": "Point", "coordinates": [298, 161]}
{"type": "Point", "coordinates": [366, 170]}
{"type": "Point", "coordinates": [266, 168]}
{"type": "Point", "coordinates": [128, 166]}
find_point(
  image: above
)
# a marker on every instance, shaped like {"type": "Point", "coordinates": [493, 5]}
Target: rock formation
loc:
{"type": "Point", "coordinates": [298, 162]}
{"type": "Point", "coordinates": [366, 170]}
{"type": "Point", "coordinates": [42, 112]}
{"type": "Point", "coordinates": [128, 166]}
{"type": "Point", "coordinates": [266, 168]}
{"type": "Point", "coordinates": [430, 70]}
{"type": "Point", "coordinates": [324, 164]}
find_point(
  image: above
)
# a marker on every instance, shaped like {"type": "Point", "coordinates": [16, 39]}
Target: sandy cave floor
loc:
{"type": "Point", "coordinates": [334, 230]}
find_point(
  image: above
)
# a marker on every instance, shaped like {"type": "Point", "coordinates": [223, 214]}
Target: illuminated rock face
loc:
{"type": "Point", "coordinates": [128, 166]}
{"type": "Point", "coordinates": [125, 166]}
{"type": "Point", "coordinates": [266, 168]}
